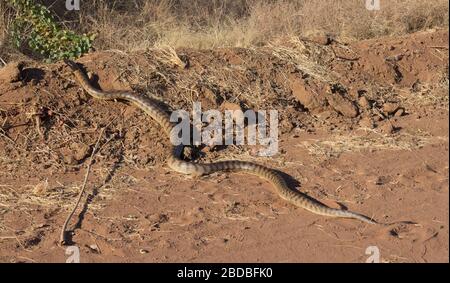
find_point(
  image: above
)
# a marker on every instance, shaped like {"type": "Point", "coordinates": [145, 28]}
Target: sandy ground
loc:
{"type": "Point", "coordinates": [362, 125]}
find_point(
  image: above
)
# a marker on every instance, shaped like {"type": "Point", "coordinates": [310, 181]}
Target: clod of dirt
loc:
{"type": "Point", "coordinates": [342, 105]}
{"type": "Point", "coordinates": [390, 107]}
{"type": "Point", "coordinates": [75, 153]}
{"type": "Point", "coordinates": [80, 151]}
{"type": "Point", "coordinates": [387, 128]}
{"type": "Point", "coordinates": [366, 122]}
{"type": "Point", "coordinates": [364, 103]}
{"type": "Point", "coordinates": [306, 95]}
{"type": "Point", "coordinates": [67, 156]}
{"type": "Point", "coordinates": [11, 73]}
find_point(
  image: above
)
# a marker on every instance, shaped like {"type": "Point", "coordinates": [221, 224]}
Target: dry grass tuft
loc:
{"type": "Point", "coordinates": [228, 23]}
{"type": "Point", "coordinates": [3, 31]}
{"type": "Point", "coordinates": [140, 24]}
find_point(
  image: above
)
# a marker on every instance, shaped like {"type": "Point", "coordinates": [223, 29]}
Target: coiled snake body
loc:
{"type": "Point", "coordinates": [181, 166]}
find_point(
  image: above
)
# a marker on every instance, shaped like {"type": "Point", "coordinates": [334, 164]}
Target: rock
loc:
{"type": "Point", "coordinates": [399, 112]}
{"type": "Point", "coordinates": [80, 151]}
{"type": "Point", "coordinates": [387, 128]}
{"type": "Point", "coordinates": [68, 157]}
{"type": "Point", "coordinates": [342, 105]}
{"type": "Point", "coordinates": [306, 95]}
{"type": "Point", "coordinates": [416, 86]}
{"type": "Point", "coordinates": [325, 114]}
{"type": "Point", "coordinates": [11, 73]}
{"type": "Point", "coordinates": [94, 248]}
{"type": "Point", "coordinates": [390, 107]}
{"type": "Point", "coordinates": [364, 102]}
{"type": "Point", "coordinates": [366, 122]}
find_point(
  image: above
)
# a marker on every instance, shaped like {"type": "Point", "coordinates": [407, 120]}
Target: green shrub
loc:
{"type": "Point", "coordinates": [35, 26]}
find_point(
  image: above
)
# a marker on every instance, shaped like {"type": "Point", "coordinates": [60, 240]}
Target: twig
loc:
{"type": "Point", "coordinates": [64, 227]}
{"type": "Point", "coordinates": [438, 47]}
{"type": "Point", "coordinates": [3, 61]}
{"type": "Point", "coordinates": [3, 134]}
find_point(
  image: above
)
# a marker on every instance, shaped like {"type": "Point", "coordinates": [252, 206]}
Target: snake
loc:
{"type": "Point", "coordinates": [177, 164]}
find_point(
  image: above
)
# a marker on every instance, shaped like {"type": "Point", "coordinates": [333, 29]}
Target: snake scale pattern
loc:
{"type": "Point", "coordinates": [195, 169]}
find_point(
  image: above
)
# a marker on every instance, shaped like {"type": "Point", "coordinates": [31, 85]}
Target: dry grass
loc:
{"type": "Point", "coordinates": [139, 24]}
{"type": "Point", "coordinates": [371, 141]}
{"type": "Point", "coordinates": [3, 30]}
{"type": "Point", "coordinates": [211, 24]}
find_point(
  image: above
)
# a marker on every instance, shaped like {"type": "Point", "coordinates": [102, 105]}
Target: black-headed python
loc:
{"type": "Point", "coordinates": [196, 169]}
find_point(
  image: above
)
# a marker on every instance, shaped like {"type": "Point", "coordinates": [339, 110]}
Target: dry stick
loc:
{"type": "Point", "coordinates": [64, 227]}
{"type": "Point", "coordinates": [438, 47]}
{"type": "Point", "coordinates": [2, 134]}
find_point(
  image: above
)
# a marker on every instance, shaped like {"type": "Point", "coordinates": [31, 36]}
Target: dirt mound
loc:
{"type": "Point", "coordinates": [334, 101]}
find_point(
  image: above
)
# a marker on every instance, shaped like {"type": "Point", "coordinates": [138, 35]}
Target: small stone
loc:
{"type": "Point", "coordinates": [94, 248]}
{"type": "Point", "coordinates": [81, 151]}
{"type": "Point", "coordinates": [68, 157]}
{"type": "Point", "coordinates": [366, 123]}
{"type": "Point", "coordinates": [325, 114]}
{"type": "Point", "coordinates": [399, 112]}
{"type": "Point", "coordinates": [342, 105]}
{"type": "Point", "coordinates": [11, 73]}
{"type": "Point", "coordinates": [364, 102]}
{"type": "Point", "coordinates": [387, 128]}
{"type": "Point", "coordinates": [390, 107]}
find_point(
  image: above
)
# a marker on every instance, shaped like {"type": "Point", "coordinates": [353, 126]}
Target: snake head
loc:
{"type": "Point", "coordinates": [71, 64]}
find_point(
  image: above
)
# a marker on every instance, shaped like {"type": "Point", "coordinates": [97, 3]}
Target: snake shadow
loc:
{"type": "Point", "coordinates": [294, 184]}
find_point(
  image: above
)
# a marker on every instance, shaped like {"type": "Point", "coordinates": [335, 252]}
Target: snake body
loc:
{"type": "Point", "coordinates": [196, 169]}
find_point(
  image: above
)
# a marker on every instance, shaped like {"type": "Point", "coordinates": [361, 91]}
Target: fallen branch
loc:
{"type": "Point", "coordinates": [63, 235]}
